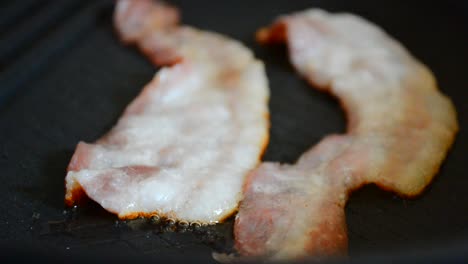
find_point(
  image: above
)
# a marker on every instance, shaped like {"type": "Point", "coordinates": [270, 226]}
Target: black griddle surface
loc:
{"type": "Point", "coordinates": [65, 77]}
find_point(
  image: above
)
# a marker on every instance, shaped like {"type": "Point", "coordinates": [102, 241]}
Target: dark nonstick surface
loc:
{"type": "Point", "coordinates": [65, 77]}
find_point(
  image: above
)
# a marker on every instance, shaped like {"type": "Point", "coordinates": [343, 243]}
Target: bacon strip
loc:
{"type": "Point", "coordinates": [183, 147]}
{"type": "Point", "coordinates": [400, 128]}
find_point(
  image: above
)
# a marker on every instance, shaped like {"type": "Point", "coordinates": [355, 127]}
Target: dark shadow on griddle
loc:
{"type": "Point", "coordinates": [53, 174]}
{"type": "Point", "coordinates": [300, 114]}
{"type": "Point", "coordinates": [274, 57]}
{"type": "Point", "coordinates": [105, 13]}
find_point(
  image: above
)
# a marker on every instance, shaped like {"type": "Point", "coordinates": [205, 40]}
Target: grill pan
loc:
{"type": "Point", "coordinates": [66, 77]}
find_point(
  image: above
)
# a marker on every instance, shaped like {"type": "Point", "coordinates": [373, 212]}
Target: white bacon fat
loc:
{"type": "Point", "coordinates": [400, 128]}
{"type": "Point", "coordinates": [183, 147]}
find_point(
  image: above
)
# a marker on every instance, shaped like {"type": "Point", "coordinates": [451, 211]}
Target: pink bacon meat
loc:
{"type": "Point", "coordinates": [400, 128]}
{"type": "Point", "coordinates": [183, 147]}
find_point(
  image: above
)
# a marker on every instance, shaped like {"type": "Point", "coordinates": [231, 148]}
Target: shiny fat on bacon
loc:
{"type": "Point", "coordinates": [400, 128]}
{"type": "Point", "coordinates": [183, 147]}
